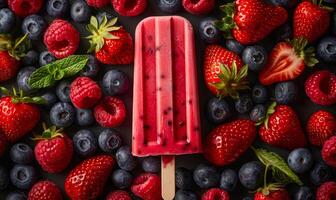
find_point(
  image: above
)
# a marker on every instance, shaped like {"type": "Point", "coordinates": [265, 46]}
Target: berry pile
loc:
{"type": "Point", "coordinates": [270, 119]}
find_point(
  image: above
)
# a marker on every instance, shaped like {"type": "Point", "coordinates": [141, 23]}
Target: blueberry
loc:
{"type": "Point", "coordinates": [45, 58]}
{"type": "Point", "coordinates": [184, 178]}
{"type": "Point", "coordinates": [258, 113]}
{"type": "Point", "coordinates": [234, 46]}
{"type": "Point", "coordinates": [304, 193]}
{"type": "Point", "coordinates": [228, 180]}
{"type": "Point", "coordinates": [85, 143]}
{"type": "Point", "coordinates": [16, 195]}
{"type": "Point", "coordinates": [218, 110]}
{"type": "Point", "coordinates": [23, 176]}
{"type": "Point", "coordinates": [255, 57]}
{"type": "Point", "coordinates": [115, 82]}
{"type": "Point", "coordinates": [208, 30]}
{"type": "Point", "coordinates": [58, 8]}
{"type": "Point", "coordinates": [63, 91]}
{"type": "Point", "coordinates": [62, 114]}
{"type": "Point", "coordinates": [21, 153]}
{"type": "Point", "coordinates": [206, 176]}
{"type": "Point", "coordinates": [125, 159]}
{"type": "Point", "coordinates": [244, 104]}
{"type": "Point", "coordinates": [259, 94]}
{"type": "Point", "coordinates": [283, 33]}
{"type": "Point", "coordinates": [92, 67]}
{"type": "Point", "coordinates": [300, 160]}
{"type": "Point", "coordinates": [286, 92]}
{"type": "Point", "coordinates": [320, 173]}
{"type": "Point", "coordinates": [284, 3]}
{"type": "Point", "coordinates": [108, 15]}
{"type": "Point", "coordinates": [50, 99]}
{"type": "Point", "coordinates": [327, 49]}
{"type": "Point", "coordinates": [84, 117]}
{"type": "Point", "coordinates": [251, 175]}
{"type": "Point", "coordinates": [80, 11]}
{"type": "Point", "coordinates": [185, 195]}
{"type": "Point", "coordinates": [34, 26]}
{"type": "Point", "coordinates": [22, 79]}
{"type": "Point", "coordinates": [7, 20]}
{"type": "Point", "coordinates": [122, 179]}
{"type": "Point", "coordinates": [170, 6]}
{"type": "Point", "coordinates": [109, 141]}
{"type": "Point", "coordinates": [4, 178]}
{"type": "Point", "coordinates": [151, 164]}
{"type": "Point", "coordinates": [31, 58]}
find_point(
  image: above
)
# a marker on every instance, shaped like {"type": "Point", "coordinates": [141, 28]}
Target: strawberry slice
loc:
{"type": "Point", "coordinates": [287, 61]}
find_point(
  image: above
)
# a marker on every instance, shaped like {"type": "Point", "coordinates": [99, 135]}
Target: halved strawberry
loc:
{"type": "Point", "coordinates": [287, 61]}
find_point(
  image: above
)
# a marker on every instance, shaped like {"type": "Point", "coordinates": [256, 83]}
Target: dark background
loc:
{"type": "Point", "coordinates": [304, 106]}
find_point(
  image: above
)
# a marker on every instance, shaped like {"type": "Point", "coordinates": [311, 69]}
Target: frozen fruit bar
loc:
{"type": "Point", "coordinates": [165, 104]}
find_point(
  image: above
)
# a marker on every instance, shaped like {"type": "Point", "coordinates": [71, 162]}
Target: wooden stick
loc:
{"type": "Point", "coordinates": [168, 177]}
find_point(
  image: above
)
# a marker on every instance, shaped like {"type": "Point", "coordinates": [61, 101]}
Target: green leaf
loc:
{"type": "Point", "coordinates": [41, 78]}
{"type": "Point", "coordinates": [72, 65]}
{"type": "Point", "coordinates": [280, 170]}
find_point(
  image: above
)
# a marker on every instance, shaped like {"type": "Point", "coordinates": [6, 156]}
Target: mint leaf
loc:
{"type": "Point", "coordinates": [41, 78]}
{"type": "Point", "coordinates": [280, 170]}
{"type": "Point", "coordinates": [72, 66]}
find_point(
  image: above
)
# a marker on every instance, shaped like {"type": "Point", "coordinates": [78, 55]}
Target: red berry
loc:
{"type": "Point", "coordinates": [198, 7]}
{"type": "Point", "coordinates": [327, 191]}
{"type": "Point", "coordinates": [321, 87]}
{"type": "Point", "coordinates": [23, 8]}
{"type": "Point", "coordinates": [9, 66]}
{"type": "Point", "coordinates": [61, 38]}
{"type": "Point", "coordinates": [277, 194]}
{"type": "Point", "coordinates": [215, 193]}
{"type": "Point", "coordinates": [97, 3]}
{"type": "Point", "coordinates": [329, 151]}
{"type": "Point", "coordinates": [147, 186]}
{"type": "Point", "coordinates": [84, 92]}
{"type": "Point", "coordinates": [45, 190]}
{"type": "Point", "coordinates": [118, 195]}
{"type": "Point", "coordinates": [110, 112]}
{"type": "Point", "coordinates": [3, 143]}
{"type": "Point", "coordinates": [129, 7]}
{"type": "Point", "coordinates": [320, 127]}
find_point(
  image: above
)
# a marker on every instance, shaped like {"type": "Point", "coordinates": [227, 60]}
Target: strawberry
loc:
{"type": "Point", "coordinates": [329, 151]}
{"type": "Point", "coordinates": [18, 114]}
{"type": "Point", "coordinates": [321, 87]}
{"type": "Point", "coordinates": [310, 20]}
{"type": "Point", "coordinates": [84, 92]}
{"type": "Point", "coordinates": [282, 128]}
{"type": "Point", "coordinates": [129, 7]}
{"type": "Point", "coordinates": [320, 127]}
{"type": "Point", "coordinates": [98, 3]}
{"type": "Point", "coordinates": [227, 142]}
{"type": "Point", "coordinates": [3, 144]}
{"type": "Point", "coordinates": [287, 61]}
{"type": "Point", "coordinates": [147, 186]}
{"type": "Point", "coordinates": [198, 7]}
{"type": "Point", "coordinates": [327, 191]}
{"type": "Point", "coordinates": [250, 21]}
{"type": "Point", "coordinates": [110, 112]}
{"type": "Point", "coordinates": [112, 44]}
{"type": "Point", "coordinates": [61, 38]}
{"type": "Point", "coordinates": [45, 190]}
{"type": "Point", "coordinates": [216, 193]}
{"type": "Point", "coordinates": [88, 179]}
{"type": "Point", "coordinates": [118, 195]}
{"type": "Point", "coordinates": [10, 54]}
{"type": "Point", "coordinates": [224, 72]}
{"type": "Point", "coordinates": [54, 150]}
{"type": "Point", "coordinates": [272, 193]}
{"type": "Point", "coordinates": [23, 8]}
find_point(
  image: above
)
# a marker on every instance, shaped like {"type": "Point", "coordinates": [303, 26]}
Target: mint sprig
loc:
{"type": "Point", "coordinates": [49, 74]}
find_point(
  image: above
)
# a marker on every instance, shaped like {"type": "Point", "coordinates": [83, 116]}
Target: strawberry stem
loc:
{"type": "Point", "coordinates": [19, 97]}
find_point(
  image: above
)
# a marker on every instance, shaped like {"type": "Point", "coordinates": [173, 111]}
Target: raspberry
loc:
{"type": "Point", "coordinates": [198, 7]}
{"type": "Point", "coordinates": [23, 8]}
{"type": "Point", "coordinates": [84, 92]}
{"type": "Point", "coordinates": [45, 190]}
{"type": "Point", "coordinates": [216, 193]}
{"type": "Point", "coordinates": [329, 151]}
{"type": "Point", "coordinates": [61, 39]}
{"type": "Point", "coordinates": [326, 191]}
{"type": "Point", "coordinates": [97, 3]}
{"type": "Point", "coordinates": [118, 195]}
{"type": "Point", "coordinates": [147, 186]}
{"type": "Point", "coordinates": [129, 7]}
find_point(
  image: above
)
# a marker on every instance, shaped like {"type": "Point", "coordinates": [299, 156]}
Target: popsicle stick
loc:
{"type": "Point", "coordinates": [168, 177]}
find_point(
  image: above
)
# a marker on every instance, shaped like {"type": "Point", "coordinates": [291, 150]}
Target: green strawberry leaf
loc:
{"type": "Point", "coordinates": [280, 170]}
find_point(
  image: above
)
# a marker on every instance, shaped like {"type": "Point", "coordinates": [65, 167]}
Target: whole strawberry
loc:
{"type": "Point", "coordinates": [329, 151]}
{"type": "Point", "coordinates": [88, 179]}
{"type": "Point", "coordinates": [54, 150]}
{"type": "Point", "coordinates": [147, 186]}
{"type": "Point", "coordinates": [98, 3]}
{"type": "Point", "coordinates": [23, 8]}
{"type": "Point", "coordinates": [61, 39]}
{"type": "Point", "coordinates": [84, 92]}
{"type": "Point", "coordinates": [321, 87]}
{"type": "Point", "coordinates": [272, 193]}
{"type": "Point", "coordinates": [282, 128]}
{"type": "Point", "coordinates": [311, 21]}
{"type": "Point", "coordinates": [320, 127]}
{"type": "Point", "coordinates": [224, 72]}
{"type": "Point", "coordinates": [118, 195]}
{"type": "Point", "coordinates": [3, 144]}
{"type": "Point", "coordinates": [112, 44]}
{"type": "Point", "coordinates": [250, 21]}
{"type": "Point", "coordinates": [216, 193]}
{"type": "Point", "coordinates": [45, 190]}
{"type": "Point", "coordinates": [226, 143]}
{"type": "Point", "coordinates": [129, 7]}
{"type": "Point", "coordinates": [287, 61]}
{"type": "Point", "coordinates": [327, 191]}
{"type": "Point", "coordinates": [18, 115]}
